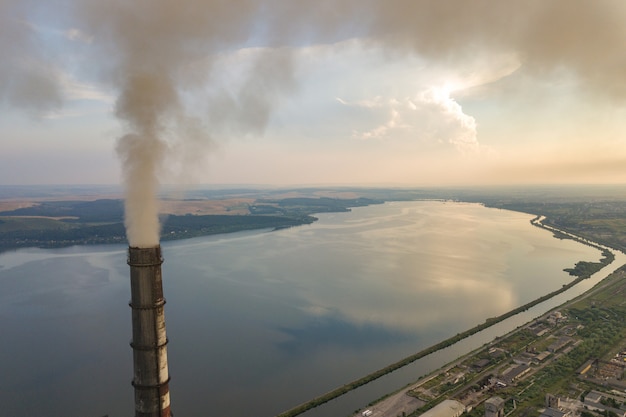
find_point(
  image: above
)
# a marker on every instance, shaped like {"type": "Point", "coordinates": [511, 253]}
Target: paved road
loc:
{"type": "Point", "coordinates": [394, 405]}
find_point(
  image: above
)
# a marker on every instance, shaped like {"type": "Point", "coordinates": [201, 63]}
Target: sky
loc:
{"type": "Point", "coordinates": [342, 92]}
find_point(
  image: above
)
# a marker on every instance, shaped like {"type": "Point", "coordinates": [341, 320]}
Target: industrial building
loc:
{"type": "Point", "coordinates": [494, 407]}
{"type": "Point", "coordinates": [447, 408]}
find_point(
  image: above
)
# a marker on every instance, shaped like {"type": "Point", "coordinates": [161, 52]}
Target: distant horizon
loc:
{"type": "Point", "coordinates": [50, 192]}
{"type": "Point", "coordinates": [329, 185]}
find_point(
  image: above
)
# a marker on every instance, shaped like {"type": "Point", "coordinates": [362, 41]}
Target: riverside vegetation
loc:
{"type": "Point", "coordinates": [594, 335]}
{"type": "Point", "coordinates": [63, 223]}
{"type": "Point", "coordinates": [582, 270]}
{"type": "Point", "coordinates": [595, 213]}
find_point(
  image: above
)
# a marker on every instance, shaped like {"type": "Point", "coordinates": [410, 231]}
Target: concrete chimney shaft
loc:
{"type": "Point", "coordinates": [151, 376]}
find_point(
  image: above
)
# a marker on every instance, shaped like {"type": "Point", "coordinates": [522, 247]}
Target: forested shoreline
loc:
{"type": "Point", "coordinates": [67, 223]}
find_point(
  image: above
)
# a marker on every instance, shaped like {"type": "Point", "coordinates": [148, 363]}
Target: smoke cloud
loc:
{"type": "Point", "coordinates": [582, 37]}
{"type": "Point", "coordinates": [157, 53]}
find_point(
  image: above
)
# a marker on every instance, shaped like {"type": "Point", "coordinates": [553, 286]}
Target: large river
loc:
{"type": "Point", "coordinates": [259, 322]}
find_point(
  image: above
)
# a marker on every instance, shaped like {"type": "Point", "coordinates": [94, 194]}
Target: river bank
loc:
{"type": "Point", "coordinates": [393, 403]}
{"type": "Point", "coordinates": [278, 317]}
{"type": "Point", "coordinates": [406, 401]}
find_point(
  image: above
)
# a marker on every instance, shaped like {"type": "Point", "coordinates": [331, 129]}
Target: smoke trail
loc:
{"type": "Point", "coordinates": [152, 52]}
{"type": "Point", "coordinates": [583, 37]}
{"type": "Point", "coordinates": [151, 46]}
{"type": "Point", "coordinates": [143, 102]}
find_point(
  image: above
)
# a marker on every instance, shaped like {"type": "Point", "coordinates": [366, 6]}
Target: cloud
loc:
{"type": "Point", "coordinates": [74, 89]}
{"type": "Point", "coordinates": [28, 81]}
{"type": "Point", "coordinates": [580, 36]}
{"type": "Point", "coordinates": [78, 36]}
{"type": "Point", "coordinates": [445, 120]}
{"type": "Point", "coordinates": [227, 67]}
{"type": "Point", "coordinates": [431, 117]}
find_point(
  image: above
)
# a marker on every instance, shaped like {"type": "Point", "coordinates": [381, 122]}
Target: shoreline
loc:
{"type": "Point", "coordinates": [395, 398]}
{"type": "Point", "coordinates": [489, 322]}
{"type": "Point", "coordinates": [455, 339]}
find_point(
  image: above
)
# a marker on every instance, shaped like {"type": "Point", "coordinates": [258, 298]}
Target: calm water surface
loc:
{"type": "Point", "coordinates": [261, 321]}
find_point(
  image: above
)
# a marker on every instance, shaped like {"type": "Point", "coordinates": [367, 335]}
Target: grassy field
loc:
{"type": "Point", "coordinates": [58, 223]}
{"type": "Point", "coordinates": [13, 224]}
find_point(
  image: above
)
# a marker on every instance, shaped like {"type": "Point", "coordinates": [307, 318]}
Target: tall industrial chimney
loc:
{"type": "Point", "coordinates": [151, 376]}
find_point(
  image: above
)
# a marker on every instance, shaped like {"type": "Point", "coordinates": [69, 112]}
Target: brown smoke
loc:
{"type": "Point", "coordinates": [151, 46]}
{"type": "Point", "coordinates": [155, 51]}
{"type": "Point", "coordinates": [583, 37]}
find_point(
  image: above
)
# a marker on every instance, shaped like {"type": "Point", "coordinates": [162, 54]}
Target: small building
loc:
{"type": "Point", "coordinates": [516, 372]}
{"type": "Point", "coordinates": [523, 359]}
{"type": "Point", "coordinates": [481, 364]}
{"type": "Point", "coordinates": [560, 343]}
{"type": "Point", "coordinates": [552, 401]}
{"type": "Point", "coordinates": [446, 408]}
{"type": "Point", "coordinates": [494, 407]}
{"type": "Point", "coordinates": [556, 318]}
{"type": "Point", "coordinates": [593, 397]}
{"type": "Point", "coordinates": [593, 402]}
{"type": "Point", "coordinates": [497, 353]}
{"type": "Point", "coordinates": [584, 368]}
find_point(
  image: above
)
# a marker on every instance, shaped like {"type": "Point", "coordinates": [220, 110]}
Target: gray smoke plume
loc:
{"type": "Point", "coordinates": [151, 46]}
{"type": "Point", "coordinates": [154, 52]}
{"type": "Point", "coordinates": [583, 37]}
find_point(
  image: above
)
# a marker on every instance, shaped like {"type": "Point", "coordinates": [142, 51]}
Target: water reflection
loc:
{"type": "Point", "coordinates": [261, 320]}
